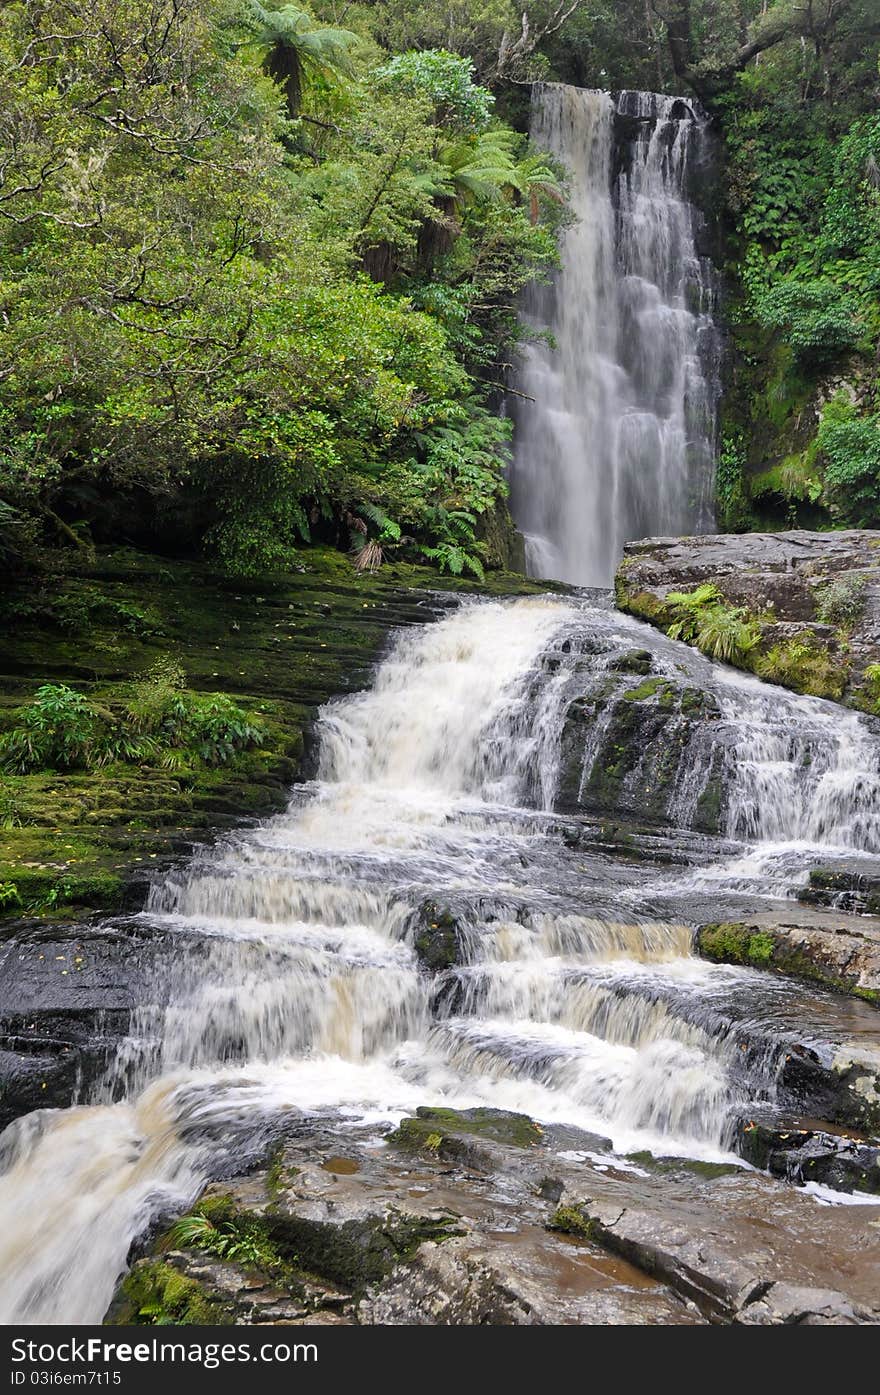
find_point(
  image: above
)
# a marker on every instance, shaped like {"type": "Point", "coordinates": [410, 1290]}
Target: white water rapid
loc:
{"type": "Point", "coordinates": [296, 982]}
{"type": "Point", "coordinates": [618, 441]}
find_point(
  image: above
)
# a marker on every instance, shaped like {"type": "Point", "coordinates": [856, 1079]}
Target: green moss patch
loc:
{"type": "Point", "coordinates": [277, 647]}
{"type": "Point", "coordinates": [732, 943]}
{"type": "Point", "coordinates": [571, 1220]}
{"type": "Point", "coordinates": [156, 1294]}
{"type": "Point", "coordinates": [431, 1128]}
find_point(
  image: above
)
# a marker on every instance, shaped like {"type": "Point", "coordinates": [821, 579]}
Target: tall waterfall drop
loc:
{"type": "Point", "coordinates": [616, 425]}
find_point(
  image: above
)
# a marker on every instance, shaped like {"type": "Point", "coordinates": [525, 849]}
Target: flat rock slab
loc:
{"type": "Point", "coordinates": [725, 1244]}
{"type": "Point", "coordinates": [67, 994]}
{"type": "Point", "coordinates": [527, 1232]}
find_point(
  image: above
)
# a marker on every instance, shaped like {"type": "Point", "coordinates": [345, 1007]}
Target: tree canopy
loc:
{"type": "Point", "coordinates": [260, 265]}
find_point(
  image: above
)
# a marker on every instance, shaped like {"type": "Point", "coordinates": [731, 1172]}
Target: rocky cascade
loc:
{"type": "Point", "coordinates": [440, 921]}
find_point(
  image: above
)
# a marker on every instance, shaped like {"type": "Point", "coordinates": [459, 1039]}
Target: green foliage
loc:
{"type": "Point", "coordinates": [850, 444]}
{"type": "Point", "coordinates": [804, 664]}
{"type": "Point", "coordinates": [819, 320]}
{"type": "Point", "coordinates": [702, 617]}
{"type": "Point", "coordinates": [802, 146]}
{"type": "Point", "coordinates": [62, 730]}
{"type": "Point", "coordinates": [10, 813]}
{"type": "Point", "coordinates": [730, 943]}
{"type": "Point", "coordinates": [9, 897]}
{"type": "Point", "coordinates": [294, 49]}
{"type": "Point", "coordinates": [59, 729]}
{"type": "Point", "coordinates": [215, 1227]}
{"type": "Point", "coordinates": [268, 307]}
{"type": "Point", "coordinates": [841, 602]}
{"type": "Point", "coordinates": [731, 498]}
{"type": "Point", "coordinates": [571, 1221]}
{"type": "Point", "coordinates": [446, 79]}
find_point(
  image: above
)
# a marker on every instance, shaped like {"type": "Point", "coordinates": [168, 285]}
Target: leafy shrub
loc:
{"type": "Point", "coordinates": [215, 1228]}
{"type": "Point", "coordinates": [9, 896]}
{"type": "Point", "coordinates": [702, 617]}
{"type": "Point", "coordinates": [841, 602]}
{"type": "Point", "coordinates": [58, 730]}
{"type": "Point", "coordinates": [819, 319]}
{"type": "Point", "coordinates": [803, 664]}
{"type": "Point", "coordinates": [869, 698]}
{"type": "Point", "coordinates": [62, 730]}
{"type": "Point", "coordinates": [10, 814]}
{"type": "Point", "coordinates": [850, 444]}
{"type": "Point", "coordinates": [209, 726]}
{"type": "Point", "coordinates": [730, 492]}
{"type": "Point", "coordinates": [446, 79]}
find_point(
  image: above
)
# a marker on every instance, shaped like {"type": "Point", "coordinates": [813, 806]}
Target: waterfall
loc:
{"type": "Point", "coordinates": [296, 982]}
{"type": "Point", "coordinates": [617, 441]}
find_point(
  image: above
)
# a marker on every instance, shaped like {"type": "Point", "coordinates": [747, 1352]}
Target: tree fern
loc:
{"type": "Point", "coordinates": [293, 45]}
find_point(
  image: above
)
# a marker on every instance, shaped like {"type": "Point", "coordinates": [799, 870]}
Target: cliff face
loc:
{"type": "Point", "coordinates": [798, 608]}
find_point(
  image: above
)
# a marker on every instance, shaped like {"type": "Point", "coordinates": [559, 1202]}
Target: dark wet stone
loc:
{"type": "Point", "coordinates": [633, 661]}
{"type": "Point", "coordinates": [66, 998]}
{"type": "Point", "coordinates": [811, 1155]}
{"type": "Point", "coordinates": [651, 728]}
{"type": "Point", "coordinates": [437, 936]}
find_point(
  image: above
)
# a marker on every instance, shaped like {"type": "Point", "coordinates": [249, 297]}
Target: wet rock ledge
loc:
{"type": "Point", "coordinates": [808, 603]}
{"type": "Point", "coordinates": [839, 950]}
{"type": "Point", "coordinates": [484, 1217]}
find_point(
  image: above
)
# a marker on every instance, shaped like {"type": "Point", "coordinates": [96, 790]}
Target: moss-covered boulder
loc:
{"type": "Point", "coordinates": [465, 1136]}
{"type": "Point", "coordinates": [630, 740]}
{"type": "Point", "coordinates": [437, 937]}
{"type": "Point", "coordinates": [833, 951]}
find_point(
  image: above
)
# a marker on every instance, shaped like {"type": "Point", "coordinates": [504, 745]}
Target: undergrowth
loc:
{"type": "Point", "coordinates": [160, 722]}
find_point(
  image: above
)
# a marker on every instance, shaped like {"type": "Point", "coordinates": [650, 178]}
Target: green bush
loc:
{"type": "Point", "coordinates": [850, 445]}
{"type": "Point", "coordinates": [803, 664]}
{"type": "Point", "coordinates": [9, 897]}
{"type": "Point", "coordinates": [62, 730]}
{"type": "Point", "coordinates": [841, 602]}
{"type": "Point", "coordinates": [58, 730]}
{"type": "Point", "coordinates": [820, 320]}
{"type": "Point", "coordinates": [446, 79]}
{"type": "Point", "coordinates": [703, 617]}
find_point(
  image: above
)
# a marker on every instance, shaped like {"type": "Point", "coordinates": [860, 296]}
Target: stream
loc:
{"type": "Point", "coordinates": [458, 791]}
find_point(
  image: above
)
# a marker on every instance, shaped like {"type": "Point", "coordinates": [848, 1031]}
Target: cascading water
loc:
{"type": "Point", "coordinates": [296, 983]}
{"type": "Point", "coordinates": [618, 439]}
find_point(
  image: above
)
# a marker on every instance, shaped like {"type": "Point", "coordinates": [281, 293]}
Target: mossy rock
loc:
{"type": "Point", "coordinates": [733, 943]}
{"type": "Point", "coordinates": [359, 1251]}
{"type": "Point", "coordinates": [571, 1220]}
{"type": "Point", "coordinates": [154, 1293]}
{"type": "Point", "coordinates": [453, 1133]}
{"type": "Point", "coordinates": [729, 943]}
{"type": "Point", "coordinates": [637, 661]}
{"type": "Point", "coordinates": [652, 687]}
{"type": "Point", "coordinates": [437, 938]}
{"type": "Point", "coordinates": [694, 1167]}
